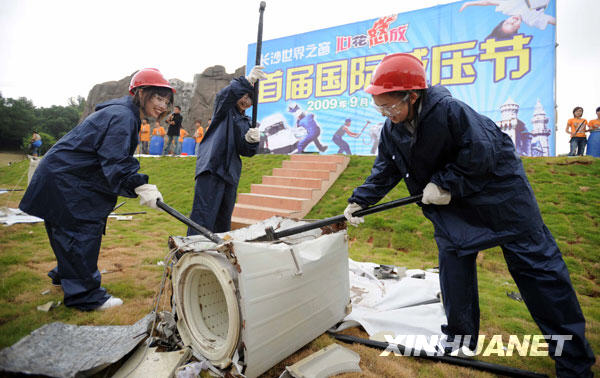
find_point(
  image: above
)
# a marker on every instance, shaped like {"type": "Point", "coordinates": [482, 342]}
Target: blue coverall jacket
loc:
{"type": "Point", "coordinates": [81, 176]}
{"type": "Point", "coordinates": [467, 154]}
{"type": "Point", "coordinates": [492, 204]}
{"type": "Point", "coordinates": [224, 142]}
{"type": "Point", "coordinates": [218, 164]}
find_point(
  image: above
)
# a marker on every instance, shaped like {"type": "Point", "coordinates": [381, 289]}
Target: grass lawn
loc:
{"type": "Point", "coordinates": [567, 189]}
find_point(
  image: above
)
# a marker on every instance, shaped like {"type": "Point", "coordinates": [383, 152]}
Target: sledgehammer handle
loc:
{"type": "Point", "coordinates": [176, 214]}
{"type": "Point", "coordinates": [272, 235]}
{"type": "Point", "coordinates": [261, 10]}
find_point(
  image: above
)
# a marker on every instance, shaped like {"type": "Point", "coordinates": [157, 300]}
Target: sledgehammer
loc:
{"type": "Point", "coordinates": [187, 221]}
{"type": "Point", "coordinates": [261, 10]}
{"type": "Point", "coordinates": [270, 233]}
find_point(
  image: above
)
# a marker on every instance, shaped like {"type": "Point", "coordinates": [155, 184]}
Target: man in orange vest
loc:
{"type": "Point", "coordinates": [199, 134]}
{"type": "Point", "coordinates": [182, 134]}
{"type": "Point", "coordinates": [144, 136]}
{"type": "Point", "coordinates": [158, 130]}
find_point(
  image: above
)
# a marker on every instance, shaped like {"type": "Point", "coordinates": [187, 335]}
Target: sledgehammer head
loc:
{"type": "Point", "coordinates": [262, 6]}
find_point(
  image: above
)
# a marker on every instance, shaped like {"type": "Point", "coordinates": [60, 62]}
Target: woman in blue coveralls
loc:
{"type": "Point", "coordinates": [76, 185]}
{"type": "Point", "coordinates": [476, 194]}
{"type": "Point", "coordinates": [218, 164]}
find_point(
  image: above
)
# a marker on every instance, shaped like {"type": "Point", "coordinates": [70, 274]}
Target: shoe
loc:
{"type": "Point", "coordinates": [111, 302]}
{"type": "Point", "coordinates": [324, 148]}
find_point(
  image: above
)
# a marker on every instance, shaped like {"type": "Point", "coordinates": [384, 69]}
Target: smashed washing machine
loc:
{"type": "Point", "coordinates": [252, 304]}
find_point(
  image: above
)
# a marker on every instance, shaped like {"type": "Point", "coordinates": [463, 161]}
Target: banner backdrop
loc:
{"type": "Point", "coordinates": [498, 58]}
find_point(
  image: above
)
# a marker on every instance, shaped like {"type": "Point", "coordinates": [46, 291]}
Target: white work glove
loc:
{"type": "Point", "coordinates": [253, 135]}
{"type": "Point", "coordinates": [256, 74]}
{"type": "Point", "coordinates": [350, 209]}
{"type": "Point", "coordinates": [148, 195]}
{"type": "Point", "coordinates": [434, 195]}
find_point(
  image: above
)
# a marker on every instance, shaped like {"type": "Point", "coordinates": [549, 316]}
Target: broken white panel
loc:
{"type": "Point", "coordinates": [10, 216]}
{"type": "Point", "coordinates": [148, 362]}
{"type": "Point", "coordinates": [273, 300]}
{"type": "Point", "coordinates": [332, 360]}
{"type": "Point", "coordinates": [410, 306]}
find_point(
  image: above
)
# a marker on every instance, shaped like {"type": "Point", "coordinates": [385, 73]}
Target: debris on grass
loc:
{"type": "Point", "coordinates": [514, 295]}
{"type": "Point", "coordinates": [48, 306]}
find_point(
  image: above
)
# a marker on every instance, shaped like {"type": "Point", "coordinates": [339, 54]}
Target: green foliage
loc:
{"type": "Point", "coordinates": [19, 117]}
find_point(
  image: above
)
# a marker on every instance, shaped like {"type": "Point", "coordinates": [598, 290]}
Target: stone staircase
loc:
{"type": "Point", "coordinates": [291, 191]}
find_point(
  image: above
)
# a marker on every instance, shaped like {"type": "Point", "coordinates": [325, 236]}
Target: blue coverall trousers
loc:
{"type": "Point", "coordinates": [214, 200]}
{"type": "Point", "coordinates": [76, 248]}
{"type": "Point", "coordinates": [537, 267]}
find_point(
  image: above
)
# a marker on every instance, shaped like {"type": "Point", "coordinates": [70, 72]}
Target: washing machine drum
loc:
{"type": "Point", "coordinates": [207, 306]}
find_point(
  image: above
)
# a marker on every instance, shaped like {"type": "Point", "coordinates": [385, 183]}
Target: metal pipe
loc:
{"type": "Point", "coordinates": [261, 10]}
{"type": "Point", "coordinates": [270, 234]}
{"type": "Point", "coordinates": [176, 214]}
{"type": "Point", "coordinates": [465, 362]}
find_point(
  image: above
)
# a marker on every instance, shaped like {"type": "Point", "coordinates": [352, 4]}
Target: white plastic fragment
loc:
{"type": "Point", "coordinates": [332, 360]}
{"type": "Point", "coordinates": [148, 362]}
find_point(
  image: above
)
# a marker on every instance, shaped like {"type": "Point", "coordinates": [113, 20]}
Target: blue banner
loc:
{"type": "Point", "coordinates": [499, 59]}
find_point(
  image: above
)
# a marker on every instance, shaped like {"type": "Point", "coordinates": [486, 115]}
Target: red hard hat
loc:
{"type": "Point", "coordinates": [397, 72]}
{"type": "Point", "coordinates": [148, 77]}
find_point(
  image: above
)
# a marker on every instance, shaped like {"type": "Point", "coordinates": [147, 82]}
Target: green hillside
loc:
{"type": "Point", "coordinates": [567, 189]}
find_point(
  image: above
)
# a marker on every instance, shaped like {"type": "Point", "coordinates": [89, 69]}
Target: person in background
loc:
{"type": "Point", "coordinates": [35, 143]}
{"type": "Point", "coordinates": [144, 136]}
{"type": "Point", "coordinates": [182, 134]}
{"type": "Point", "coordinates": [577, 127]}
{"type": "Point", "coordinates": [594, 124]}
{"type": "Point", "coordinates": [218, 163]}
{"type": "Point", "coordinates": [174, 122]}
{"type": "Point", "coordinates": [76, 186]}
{"type": "Point", "coordinates": [476, 193]}
{"type": "Point", "coordinates": [199, 134]}
{"type": "Point", "coordinates": [158, 129]}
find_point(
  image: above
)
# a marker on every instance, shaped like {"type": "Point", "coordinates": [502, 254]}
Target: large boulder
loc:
{"type": "Point", "coordinates": [195, 99]}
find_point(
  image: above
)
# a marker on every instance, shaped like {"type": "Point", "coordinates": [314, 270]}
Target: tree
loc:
{"type": "Point", "coordinates": [17, 119]}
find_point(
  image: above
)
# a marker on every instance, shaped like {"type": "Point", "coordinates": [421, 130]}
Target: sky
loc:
{"type": "Point", "coordinates": [53, 50]}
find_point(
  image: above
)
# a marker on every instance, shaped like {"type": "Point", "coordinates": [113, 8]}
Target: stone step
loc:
{"type": "Point", "coordinates": [280, 190]}
{"type": "Point", "coordinates": [302, 173]}
{"type": "Point", "coordinates": [260, 212]}
{"type": "Point", "coordinates": [339, 159]}
{"type": "Point", "coordinates": [293, 181]}
{"type": "Point", "coordinates": [312, 165]}
{"type": "Point", "coordinates": [277, 202]}
{"type": "Point", "coordinates": [238, 222]}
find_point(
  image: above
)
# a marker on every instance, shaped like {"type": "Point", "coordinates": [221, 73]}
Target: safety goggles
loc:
{"type": "Point", "coordinates": [390, 110]}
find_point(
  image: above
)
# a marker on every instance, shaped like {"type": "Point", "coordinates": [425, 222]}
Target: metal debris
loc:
{"type": "Point", "coordinates": [64, 350]}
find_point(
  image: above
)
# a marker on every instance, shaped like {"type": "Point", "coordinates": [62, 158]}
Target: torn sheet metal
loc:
{"type": "Point", "coordinates": [64, 350]}
{"type": "Point", "coordinates": [148, 362]}
{"type": "Point", "coordinates": [263, 299]}
{"type": "Point", "coordinates": [409, 306]}
{"type": "Point", "coordinates": [332, 360]}
{"type": "Point", "coordinates": [10, 216]}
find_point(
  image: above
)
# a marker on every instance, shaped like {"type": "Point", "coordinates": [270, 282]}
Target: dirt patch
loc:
{"type": "Point", "coordinates": [9, 157]}
{"type": "Point", "coordinates": [570, 162]}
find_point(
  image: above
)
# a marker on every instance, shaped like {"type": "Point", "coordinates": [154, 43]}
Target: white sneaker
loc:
{"type": "Point", "coordinates": [111, 302]}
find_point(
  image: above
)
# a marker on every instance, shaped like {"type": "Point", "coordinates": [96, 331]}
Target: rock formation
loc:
{"type": "Point", "coordinates": [196, 99]}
